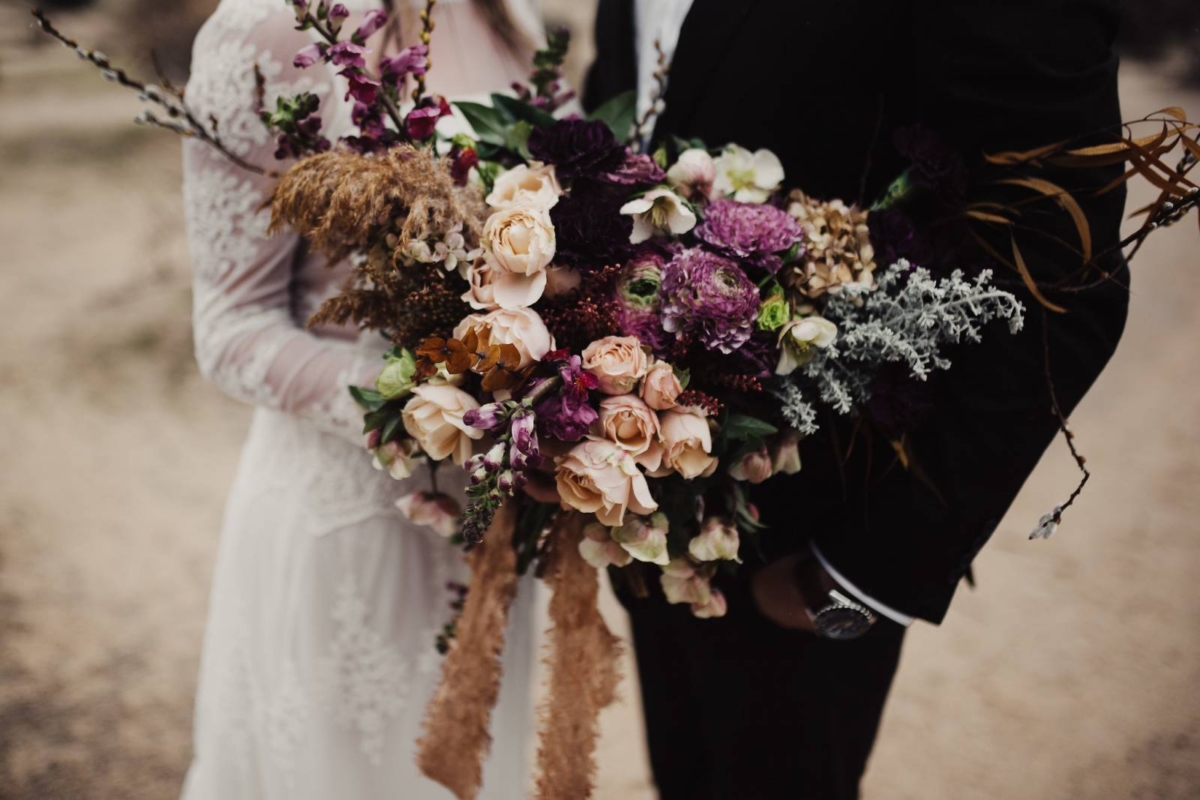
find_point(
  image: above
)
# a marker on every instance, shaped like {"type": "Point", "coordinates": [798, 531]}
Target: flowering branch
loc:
{"type": "Point", "coordinates": [181, 119]}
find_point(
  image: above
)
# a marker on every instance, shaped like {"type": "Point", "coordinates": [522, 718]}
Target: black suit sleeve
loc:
{"type": "Point", "coordinates": [993, 75]}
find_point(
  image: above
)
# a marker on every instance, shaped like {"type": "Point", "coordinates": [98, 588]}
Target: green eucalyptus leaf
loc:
{"type": "Point", "coordinates": [490, 125]}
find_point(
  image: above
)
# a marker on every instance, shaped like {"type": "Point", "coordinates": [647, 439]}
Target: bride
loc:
{"type": "Point", "coordinates": [326, 603]}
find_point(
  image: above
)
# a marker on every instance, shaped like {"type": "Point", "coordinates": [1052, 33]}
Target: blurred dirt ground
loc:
{"type": "Point", "coordinates": [1073, 672]}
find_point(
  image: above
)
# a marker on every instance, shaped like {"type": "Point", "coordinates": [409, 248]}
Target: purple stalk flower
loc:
{"type": "Point", "coordinates": [372, 23]}
{"type": "Point", "coordinates": [409, 61]}
{"type": "Point", "coordinates": [348, 54]}
{"type": "Point", "coordinates": [524, 452]}
{"type": "Point", "coordinates": [310, 55]}
{"type": "Point", "coordinates": [337, 15]}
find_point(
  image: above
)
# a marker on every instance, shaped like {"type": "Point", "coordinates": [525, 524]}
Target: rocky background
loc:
{"type": "Point", "coordinates": [1072, 671]}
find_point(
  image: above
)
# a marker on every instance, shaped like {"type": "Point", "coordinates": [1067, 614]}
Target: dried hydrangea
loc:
{"type": "Point", "coordinates": [837, 243]}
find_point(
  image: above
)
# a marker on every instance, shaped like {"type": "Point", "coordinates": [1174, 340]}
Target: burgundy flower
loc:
{"type": "Point", "coordinates": [348, 54]}
{"type": "Point", "coordinates": [363, 89]}
{"type": "Point", "coordinates": [751, 233]}
{"type": "Point", "coordinates": [409, 61]}
{"type": "Point", "coordinates": [368, 120]}
{"type": "Point", "coordinates": [577, 147]}
{"type": "Point", "coordinates": [422, 121]}
{"type": "Point", "coordinates": [639, 169]}
{"type": "Point", "coordinates": [372, 23]}
{"type": "Point", "coordinates": [462, 160]}
{"type": "Point", "coordinates": [590, 230]}
{"type": "Point", "coordinates": [338, 15]}
{"type": "Point", "coordinates": [710, 298]}
{"type": "Point", "coordinates": [310, 55]}
{"type": "Point", "coordinates": [568, 414]}
{"type": "Point", "coordinates": [524, 452]}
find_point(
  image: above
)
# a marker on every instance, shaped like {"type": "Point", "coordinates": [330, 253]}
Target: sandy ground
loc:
{"type": "Point", "coordinates": [1073, 672]}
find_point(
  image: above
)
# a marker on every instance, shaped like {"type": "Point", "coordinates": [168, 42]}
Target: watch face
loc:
{"type": "Point", "coordinates": [842, 622]}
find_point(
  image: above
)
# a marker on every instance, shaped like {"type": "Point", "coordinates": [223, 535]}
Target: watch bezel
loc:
{"type": "Point", "coordinates": [842, 609]}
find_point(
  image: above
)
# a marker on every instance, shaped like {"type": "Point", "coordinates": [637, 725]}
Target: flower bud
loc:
{"type": "Point", "coordinates": [754, 467]}
{"type": "Point", "coordinates": [718, 541]}
{"type": "Point", "coordinates": [715, 607]}
{"type": "Point", "coordinates": [396, 379]}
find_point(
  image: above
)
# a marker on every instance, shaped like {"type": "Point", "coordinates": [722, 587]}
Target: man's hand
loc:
{"type": "Point", "coordinates": [777, 594]}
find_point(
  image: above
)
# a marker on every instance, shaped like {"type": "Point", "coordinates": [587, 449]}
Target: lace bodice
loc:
{"type": "Point", "coordinates": [253, 292]}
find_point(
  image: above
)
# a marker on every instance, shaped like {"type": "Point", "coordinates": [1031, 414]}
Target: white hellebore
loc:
{"type": "Point", "coordinates": [692, 175]}
{"type": "Point", "coordinates": [658, 212]}
{"type": "Point", "coordinates": [747, 177]}
{"type": "Point", "coordinates": [718, 541]}
{"type": "Point", "coordinates": [799, 337]}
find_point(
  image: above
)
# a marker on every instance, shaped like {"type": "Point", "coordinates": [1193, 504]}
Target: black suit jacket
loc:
{"type": "Point", "coordinates": [825, 86]}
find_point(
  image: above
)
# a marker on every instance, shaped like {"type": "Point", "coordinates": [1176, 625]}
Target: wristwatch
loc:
{"type": "Point", "coordinates": [834, 613]}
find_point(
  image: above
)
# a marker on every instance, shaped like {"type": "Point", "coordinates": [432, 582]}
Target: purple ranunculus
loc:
{"type": "Point", "coordinates": [709, 298]}
{"type": "Point", "coordinates": [639, 169]}
{"type": "Point", "coordinates": [310, 55]}
{"type": "Point", "coordinates": [751, 233]}
{"type": "Point", "coordinates": [372, 23]}
{"type": "Point", "coordinates": [422, 121]}
{"type": "Point", "coordinates": [577, 147]}
{"type": "Point", "coordinates": [637, 295]}
{"type": "Point", "coordinates": [590, 230]}
{"type": "Point", "coordinates": [348, 54]}
{"type": "Point", "coordinates": [409, 61]}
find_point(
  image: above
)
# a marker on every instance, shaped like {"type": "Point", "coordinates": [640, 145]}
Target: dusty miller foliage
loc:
{"type": "Point", "coordinates": [910, 317]}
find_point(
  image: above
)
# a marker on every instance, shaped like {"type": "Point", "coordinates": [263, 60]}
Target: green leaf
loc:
{"type": "Point", "coordinates": [393, 425]}
{"type": "Point", "coordinates": [521, 111]}
{"type": "Point", "coordinates": [369, 399]}
{"type": "Point", "coordinates": [518, 139]}
{"type": "Point", "coordinates": [374, 420]}
{"type": "Point", "coordinates": [491, 126]}
{"type": "Point", "coordinates": [741, 427]}
{"type": "Point", "coordinates": [618, 114]}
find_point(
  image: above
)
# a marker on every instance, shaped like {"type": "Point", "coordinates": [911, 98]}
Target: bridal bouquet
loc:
{"type": "Point", "coordinates": [647, 333]}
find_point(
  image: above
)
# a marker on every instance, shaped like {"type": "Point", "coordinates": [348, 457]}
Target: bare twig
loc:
{"type": "Point", "coordinates": [657, 96]}
{"type": "Point", "coordinates": [1063, 424]}
{"type": "Point", "coordinates": [180, 118]}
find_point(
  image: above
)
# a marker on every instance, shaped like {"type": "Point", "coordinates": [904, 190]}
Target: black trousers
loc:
{"type": "Point", "coordinates": [740, 709]}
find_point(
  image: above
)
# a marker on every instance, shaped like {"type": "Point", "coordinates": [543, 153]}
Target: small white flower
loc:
{"type": "Point", "coordinates": [718, 541]}
{"type": "Point", "coordinates": [747, 177]}
{"type": "Point", "coordinates": [644, 538]}
{"type": "Point", "coordinates": [1047, 525]}
{"type": "Point", "coordinates": [598, 548]}
{"type": "Point", "coordinates": [798, 338]}
{"type": "Point", "coordinates": [657, 213]}
{"type": "Point", "coordinates": [692, 175]}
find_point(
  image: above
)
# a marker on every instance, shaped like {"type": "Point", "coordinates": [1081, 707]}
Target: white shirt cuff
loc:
{"type": "Point", "coordinates": [878, 607]}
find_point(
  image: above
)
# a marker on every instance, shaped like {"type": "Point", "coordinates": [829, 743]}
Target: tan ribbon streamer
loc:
{"type": "Point", "coordinates": [583, 669]}
{"type": "Point", "coordinates": [456, 736]}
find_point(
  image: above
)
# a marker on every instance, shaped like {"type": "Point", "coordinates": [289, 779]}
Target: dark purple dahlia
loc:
{"type": "Point", "coordinates": [577, 148]}
{"type": "Point", "coordinates": [639, 169]}
{"type": "Point", "coordinates": [590, 230]}
{"type": "Point", "coordinates": [752, 233]}
{"type": "Point", "coordinates": [709, 298]}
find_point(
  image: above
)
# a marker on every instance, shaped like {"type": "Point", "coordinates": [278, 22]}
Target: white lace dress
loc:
{"type": "Point", "coordinates": [319, 653]}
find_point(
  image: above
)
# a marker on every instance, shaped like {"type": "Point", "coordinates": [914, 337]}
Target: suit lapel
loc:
{"type": "Point", "coordinates": [708, 32]}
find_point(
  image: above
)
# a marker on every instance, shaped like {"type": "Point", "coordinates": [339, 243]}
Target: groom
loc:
{"type": "Point", "coordinates": [765, 703]}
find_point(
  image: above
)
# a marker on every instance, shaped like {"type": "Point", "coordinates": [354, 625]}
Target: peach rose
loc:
{"type": "Point", "coordinates": [521, 327]}
{"type": "Point", "coordinates": [687, 443]}
{"type": "Point", "coordinates": [434, 417]}
{"type": "Point", "coordinates": [526, 186]}
{"type": "Point", "coordinates": [631, 425]}
{"type": "Point", "coordinates": [520, 245]}
{"type": "Point", "coordinates": [618, 362]}
{"type": "Point", "coordinates": [660, 387]}
{"type": "Point", "coordinates": [597, 477]}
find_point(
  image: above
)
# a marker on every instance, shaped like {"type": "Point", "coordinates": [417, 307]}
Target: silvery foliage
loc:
{"type": "Point", "coordinates": [909, 317]}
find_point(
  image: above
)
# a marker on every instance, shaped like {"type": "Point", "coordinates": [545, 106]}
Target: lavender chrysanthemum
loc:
{"type": "Point", "coordinates": [752, 233]}
{"type": "Point", "coordinates": [708, 297]}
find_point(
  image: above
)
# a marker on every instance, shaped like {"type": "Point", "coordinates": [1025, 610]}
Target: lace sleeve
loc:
{"type": "Point", "coordinates": [248, 342]}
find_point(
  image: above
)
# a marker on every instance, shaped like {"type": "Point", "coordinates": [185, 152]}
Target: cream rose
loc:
{"type": "Point", "coordinates": [687, 443]}
{"type": "Point", "coordinates": [631, 425]}
{"type": "Point", "coordinates": [480, 296]}
{"type": "Point", "coordinates": [618, 362]}
{"type": "Point", "coordinates": [527, 186]}
{"type": "Point", "coordinates": [660, 387]}
{"type": "Point", "coordinates": [597, 477]}
{"type": "Point", "coordinates": [434, 417]}
{"type": "Point", "coordinates": [521, 327]}
{"type": "Point", "coordinates": [520, 245]}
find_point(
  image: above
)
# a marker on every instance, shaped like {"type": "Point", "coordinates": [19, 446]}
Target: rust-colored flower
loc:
{"type": "Point", "coordinates": [838, 247]}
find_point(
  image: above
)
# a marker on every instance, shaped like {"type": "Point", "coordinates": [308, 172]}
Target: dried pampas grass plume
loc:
{"type": "Point", "coordinates": [342, 201]}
